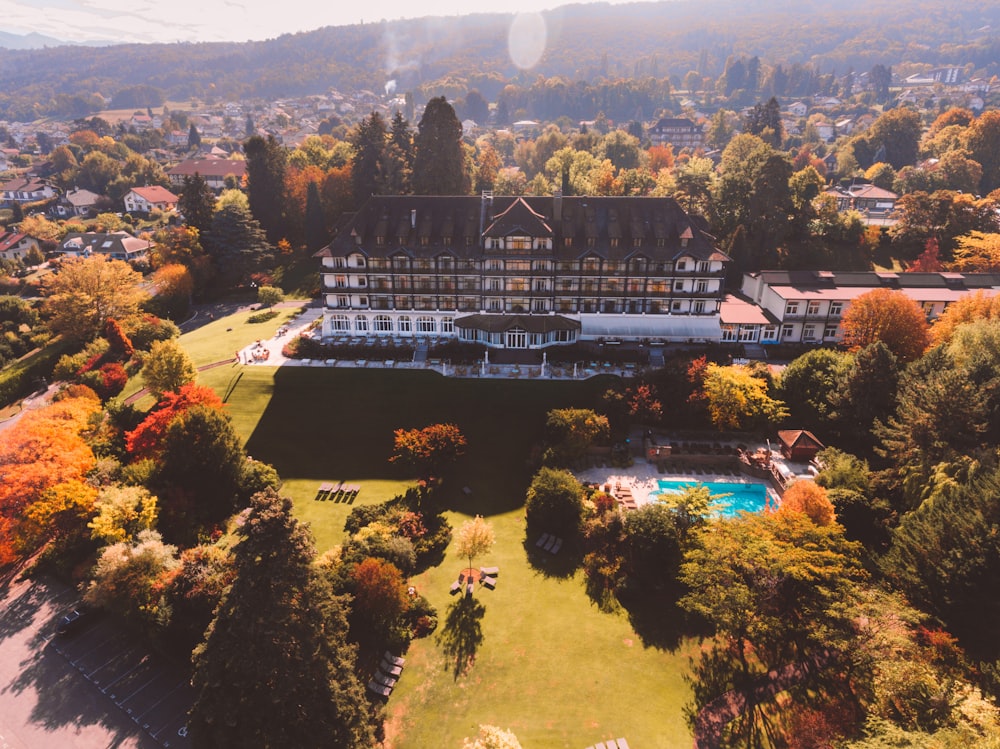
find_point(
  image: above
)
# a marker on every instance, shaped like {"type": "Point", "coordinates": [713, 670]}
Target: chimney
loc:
{"type": "Point", "coordinates": [413, 218]}
{"type": "Point", "coordinates": [486, 204]}
{"type": "Point", "coordinates": [557, 206]}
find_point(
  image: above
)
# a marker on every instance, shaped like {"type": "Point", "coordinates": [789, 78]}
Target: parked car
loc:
{"type": "Point", "coordinates": [73, 621]}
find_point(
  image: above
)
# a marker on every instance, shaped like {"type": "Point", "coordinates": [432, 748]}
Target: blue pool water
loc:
{"type": "Point", "coordinates": [743, 497]}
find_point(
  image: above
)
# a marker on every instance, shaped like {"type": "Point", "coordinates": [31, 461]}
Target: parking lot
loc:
{"type": "Point", "coordinates": [154, 693]}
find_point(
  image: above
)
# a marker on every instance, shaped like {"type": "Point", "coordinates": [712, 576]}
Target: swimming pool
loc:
{"type": "Point", "coordinates": [742, 497]}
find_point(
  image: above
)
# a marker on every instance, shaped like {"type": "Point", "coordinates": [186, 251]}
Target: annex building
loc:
{"type": "Point", "coordinates": [523, 272]}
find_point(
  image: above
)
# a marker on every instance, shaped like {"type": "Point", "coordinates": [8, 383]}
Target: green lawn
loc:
{"type": "Point", "coordinates": [547, 664]}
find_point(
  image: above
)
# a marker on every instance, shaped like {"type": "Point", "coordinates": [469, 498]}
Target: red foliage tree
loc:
{"type": "Point", "coordinates": [379, 593]}
{"type": "Point", "coordinates": [112, 381]}
{"type": "Point", "coordinates": [121, 346]}
{"type": "Point", "coordinates": [928, 261]}
{"type": "Point", "coordinates": [429, 449]}
{"type": "Point", "coordinates": [146, 439]}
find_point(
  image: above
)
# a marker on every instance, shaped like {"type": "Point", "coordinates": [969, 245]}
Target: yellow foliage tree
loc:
{"type": "Point", "coordinates": [890, 317]}
{"type": "Point", "coordinates": [810, 499]}
{"type": "Point", "coordinates": [969, 308]}
{"type": "Point", "coordinates": [976, 252]}
{"type": "Point", "coordinates": [88, 291]}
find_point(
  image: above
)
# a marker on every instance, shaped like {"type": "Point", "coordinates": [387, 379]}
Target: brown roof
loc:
{"type": "Point", "coordinates": [799, 438]}
{"type": "Point", "coordinates": [209, 167]}
{"type": "Point", "coordinates": [155, 194]}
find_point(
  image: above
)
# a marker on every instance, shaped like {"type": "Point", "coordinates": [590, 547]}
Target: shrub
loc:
{"type": "Point", "coordinates": [264, 316]}
{"type": "Point", "coordinates": [421, 616]}
{"type": "Point", "coordinates": [147, 329]}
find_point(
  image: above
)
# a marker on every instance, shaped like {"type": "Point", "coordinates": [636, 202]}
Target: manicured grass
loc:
{"type": "Point", "coordinates": [545, 662]}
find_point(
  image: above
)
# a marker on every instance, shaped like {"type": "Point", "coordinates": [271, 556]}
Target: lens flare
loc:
{"type": "Point", "coordinates": [526, 40]}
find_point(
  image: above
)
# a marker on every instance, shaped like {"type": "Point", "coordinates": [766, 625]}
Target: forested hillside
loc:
{"type": "Point", "coordinates": [585, 42]}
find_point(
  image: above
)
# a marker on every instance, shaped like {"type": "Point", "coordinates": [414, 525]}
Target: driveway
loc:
{"type": "Point", "coordinates": [44, 701]}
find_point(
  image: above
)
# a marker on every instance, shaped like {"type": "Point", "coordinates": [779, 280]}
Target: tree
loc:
{"type": "Point", "coordinates": [809, 383]}
{"type": "Point", "coordinates": [237, 245]}
{"type": "Point", "coordinates": [554, 503]}
{"type": "Point", "coordinates": [764, 120]}
{"type": "Point", "coordinates": [896, 134]}
{"type": "Point", "coordinates": [267, 162]}
{"type": "Point", "coordinates": [398, 172]}
{"type": "Point", "coordinates": [492, 737]}
{"type": "Point", "coordinates": [866, 393]}
{"type": "Point", "coordinates": [888, 316]}
{"type": "Point", "coordinates": [737, 398]}
{"type": "Point", "coordinates": [982, 141]}
{"type": "Point", "coordinates": [122, 513]}
{"type": "Point", "coordinates": [569, 432]}
{"type": "Point", "coordinates": [776, 590]}
{"type": "Point", "coordinates": [439, 159]}
{"type": "Point", "coordinates": [315, 220]}
{"type": "Point", "coordinates": [977, 252]}
{"type": "Point", "coordinates": [475, 537]}
{"type": "Point", "coordinates": [428, 450]}
{"type": "Point", "coordinates": [808, 498]}
{"type": "Point", "coordinates": [59, 513]}
{"type": "Point", "coordinates": [167, 367]}
{"type": "Point", "coordinates": [978, 305]}
{"type": "Point", "coordinates": [146, 439]}
{"type": "Point", "coordinates": [196, 203]}
{"type": "Point", "coordinates": [87, 292]}
{"type": "Point", "coordinates": [131, 578]}
{"type": "Point", "coordinates": [379, 598]}
{"type": "Point", "coordinates": [275, 668]}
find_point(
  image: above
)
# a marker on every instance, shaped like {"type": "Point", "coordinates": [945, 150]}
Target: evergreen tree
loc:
{"type": "Point", "coordinates": [439, 161]}
{"type": "Point", "coordinates": [197, 203]}
{"type": "Point", "coordinates": [765, 120]}
{"type": "Point", "coordinates": [275, 669]}
{"type": "Point", "coordinates": [194, 138]}
{"type": "Point", "coordinates": [399, 157]}
{"type": "Point", "coordinates": [368, 163]}
{"type": "Point", "coordinates": [237, 245]}
{"type": "Point", "coordinates": [266, 165]}
{"type": "Point", "coordinates": [315, 223]}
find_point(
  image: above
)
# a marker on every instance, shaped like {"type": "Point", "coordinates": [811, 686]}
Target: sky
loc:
{"type": "Point", "coordinates": [146, 21]}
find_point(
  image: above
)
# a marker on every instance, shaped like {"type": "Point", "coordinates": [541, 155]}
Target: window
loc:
{"type": "Point", "coordinates": [359, 261]}
{"type": "Point", "coordinates": [699, 307]}
{"type": "Point", "coordinates": [519, 243]}
{"type": "Point", "coordinates": [682, 265]}
{"type": "Point", "coordinates": [425, 325]}
{"type": "Point", "coordinates": [678, 286]}
{"type": "Point", "coordinates": [340, 282]}
{"type": "Point", "coordinates": [703, 266]}
{"type": "Point", "coordinates": [770, 333]}
{"type": "Point", "coordinates": [383, 324]}
{"type": "Point", "coordinates": [729, 333]}
{"type": "Point", "coordinates": [362, 301]}
{"type": "Point", "coordinates": [404, 325]}
{"type": "Point", "coordinates": [541, 285]}
{"type": "Point", "coordinates": [361, 324]}
{"type": "Point", "coordinates": [447, 325]}
{"type": "Point", "coordinates": [343, 301]}
{"type": "Point", "coordinates": [836, 308]}
{"type": "Point", "coordinates": [496, 284]}
{"type": "Point", "coordinates": [496, 305]}
{"type": "Point", "coordinates": [830, 331]}
{"type": "Point", "coordinates": [701, 287]}
{"type": "Point", "coordinates": [340, 323]}
{"type": "Point", "coordinates": [339, 262]}
{"type": "Point", "coordinates": [792, 308]}
{"type": "Point", "coordinates": [676, 307]}
{"type": "Point", "coordinates": [787, 331]}
{"type": "Point", "coordinates": [809, 333]}
{"type": "Point", "coordinates": [614, 241]}
{"type": "Point", "coordinates": [748, 333]}
{"type": "Point", "coordinates": [495, 265]}
{"type": "Point", "coordinates": [812, 308]}
{"type": "Point", "coordinates": [539, 305]}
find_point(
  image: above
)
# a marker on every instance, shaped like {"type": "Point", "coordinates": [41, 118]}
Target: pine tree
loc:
{"type": "Point", "coordinates": [197, 203]}
{"type": "Point", "coordinates": [237, 245]}
{"type": "Point", "coordinates": [315, 224]}
{"type": "Point", "coordinates": [194, 138]}
{"type": "Point", "coordinates": [399, 157]}
{"type": "Point", "coordinates": [368, 164]}
{"type": "Point", "coordinates": [439, 161]}
{"type": "Point", "coordinates": [275, 669]}
{"type": "Point", "coordinates": [267, 162]}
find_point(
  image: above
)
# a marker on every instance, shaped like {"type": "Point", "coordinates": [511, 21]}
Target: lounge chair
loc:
{"type": "Point", "coordinates": [390, 669]}
{"type": "Point", "coordinates": [395, 660]}
{"type": "Point", "coordinates": [544, 539]}
{"type": "Point", "coordinates": [622, 744]}
{"type": "Point", "coordinates": [489, 571]}
{"type": "Point", "coordinates": [556, 546]}
{"type": "Point", "coordinates": [550, 543]}
{"type": "Point", "coordinates": [377, 688]}
{"type": "Point", "coordinates": [384, 680]}
{"type": "Point", "coordinates": [469, 588]}
{"type": "Point", "coordinates": [489, 582]}
{"type": "Point", "coordinates": [455, 587]}
{"type": "Point", "coordinates": [324, 490]}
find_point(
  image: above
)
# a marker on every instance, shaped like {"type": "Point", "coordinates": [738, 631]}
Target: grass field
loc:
{"type": "Point", "coordinates": [544, 661]}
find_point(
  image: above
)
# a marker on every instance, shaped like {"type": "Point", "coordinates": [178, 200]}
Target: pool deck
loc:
{"type": "Point", "coordinates": [642, 478]}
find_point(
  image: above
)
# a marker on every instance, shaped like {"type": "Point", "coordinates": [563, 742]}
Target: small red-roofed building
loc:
{"type": "Point", "coordinates": [798, 445]}
{"type": "Point", "coordinates": [14, 245]}
{"type": "Point", "coordinates": [146, 199]}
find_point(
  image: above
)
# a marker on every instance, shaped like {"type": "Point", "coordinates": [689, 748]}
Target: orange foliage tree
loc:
{"type": "Point", "coordinates": [808, 498]}
{"type": "Point", "coordinates": [379, 595]}
{"type": "Point", "coordinates": [890, 317]}
{"type": "Point", "coordinates": [45, 448]}
{"type": "Point", "coordinates": [146, 440]}
{"type": "Point", "coordinates": [968, 308]}
{"type": "Point", "coordinates": [428, 450]}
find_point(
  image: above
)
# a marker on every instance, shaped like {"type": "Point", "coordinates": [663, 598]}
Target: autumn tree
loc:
{"type": "Point", "coordinates": [379, 600]}
{"type": "Point", "coordinates": [475, 537]}
{"type": "Point", "coordinates": [275, 668]}
{"type": "Point", "coordinates": [888, 316]}
{"type": "Point", "coordinates": [737, 398]}
{"type": "Point", "coordinates": [808, 498]}
{"type": "Point", "coordinates": [87, 292]}
{"type": "Point", "coordinates": [428, 450]}
{"type": "Point", "coordinates": [977, 252]}
{"type": "Point", "coordinates": [569, 432]}
{"type": "Point", "coordinates": [978, 305]}
{"type": "Point", "coordinates": [122, 513]}
{"type": "Point", "coordinates": [146, 439]}
{"type": "Point", "coordinates": [167, 367]}
{"type": "Point", "coordinates": [492, 737]}
{"type": "Point", "coordinates": [59, 514]}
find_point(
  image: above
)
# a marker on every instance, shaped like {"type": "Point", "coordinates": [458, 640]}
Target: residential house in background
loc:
{"type": "Point", "coordinates": [679, 132]}
{"type": "Point", "coordinates": [119, 245]}
{"type": "Point", "coordinates": [26, 190]}
{"type": "Point", "coordinates": [14, 245]}
{"type": "Point", "coordinates": [213, 170]}
{"type": "Point", "coordinates": [523, 272]}
{"type": "Point", "coordinates": [76, 202]}
{"type": "Point", "coordinates": [146, 199]}
{"type": "Point", "coordinates": [808, 306]}
{"type": "Point", "coordinates": [874, 203]}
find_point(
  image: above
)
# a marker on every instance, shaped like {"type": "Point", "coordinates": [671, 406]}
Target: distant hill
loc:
{"type": "Point", "coordinates": [28, 41]}
{"type": "Point", "coordinates": [433, 56]}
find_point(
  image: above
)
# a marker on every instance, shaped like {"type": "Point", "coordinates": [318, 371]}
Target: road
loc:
{"type": "Point", "coordinates": [44, 702]}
